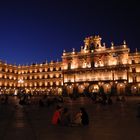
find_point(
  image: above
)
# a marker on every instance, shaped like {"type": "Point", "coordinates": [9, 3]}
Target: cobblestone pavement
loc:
{"type": "Point", "coordinates": [31, 122]}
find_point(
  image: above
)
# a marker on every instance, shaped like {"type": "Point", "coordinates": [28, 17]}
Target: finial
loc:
{"type": "Point", "coordinates": [136, 50]}
{"type": "Point", "coordinates": [57, 60]}
{"type": "Point", "coordinates": [124, 42]}
{"type": "Point", "coordinates": [51, 61]}
{"type": "Point", "coordinates": [64, 52]}
{"type": "Point", "coordinates": [46, 61]}
{"type": "Point", "coordinates": [103, 44]}
{"type": "Point", "coordinates": [73, 49]}
{"type": "Point", "coordinates": [112, 44]}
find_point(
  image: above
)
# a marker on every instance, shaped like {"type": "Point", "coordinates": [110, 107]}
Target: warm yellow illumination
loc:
{"type": "Point", "coordinates": [40, 83]}
{"type": "Point", "coordinates": [57, 83]}
{"type": "Point", "coordinates": [94, 63]}
{"type": "Point", "coordinates": [20, 81]}
{"type": "Point", "coordinates": [51, 83]}
{"type": "Point", "coordinates": [46, 83]}
{"type": "Point", "coordinates": [51, 68]}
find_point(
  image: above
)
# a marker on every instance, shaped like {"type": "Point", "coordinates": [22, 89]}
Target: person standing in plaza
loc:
{"type": "Point", "coordinates": [84, 117]}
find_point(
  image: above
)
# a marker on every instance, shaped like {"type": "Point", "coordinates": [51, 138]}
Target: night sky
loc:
{"type": "Point", "coordinates": [35, 30]}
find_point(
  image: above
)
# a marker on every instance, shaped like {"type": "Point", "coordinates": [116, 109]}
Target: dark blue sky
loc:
{"type": "Point", "coordinates": [36, 30]}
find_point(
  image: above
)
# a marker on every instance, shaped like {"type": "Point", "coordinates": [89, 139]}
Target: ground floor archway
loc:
{"type": "Point", "coordinates": [135, 89]}
{"type": "Point", "coordinates": [81, 89]}
{"type": "Point", "coordinates": [69, 89]}
{"type": "Point", "coordinates": [107, 88]}
{"type": "Point", "coordinates": [120, 88]}
{"type": "Point", "coordinates": [94, 88]}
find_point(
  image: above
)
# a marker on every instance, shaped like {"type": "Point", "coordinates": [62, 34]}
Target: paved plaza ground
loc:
{"type": "Point", "coordinates": [31, 122]}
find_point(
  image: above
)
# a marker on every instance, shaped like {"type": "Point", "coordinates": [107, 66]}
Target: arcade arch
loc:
{"type": "Point", "coordinates": [120, 88]}
{"type": "Point", "coordinates": [107, 88]}
{"type": "Point", "coordinates": [94, 88]}
{"type": "Point", "coordinates": [69, 89]}
{"type": "Point", "coordinates": [81, 89]}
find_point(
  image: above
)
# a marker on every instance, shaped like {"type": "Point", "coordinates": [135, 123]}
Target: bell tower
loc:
{"type": "Point", "coordinates": [92, 42]}
{"type": "Point", "coordinates": [97, 41]}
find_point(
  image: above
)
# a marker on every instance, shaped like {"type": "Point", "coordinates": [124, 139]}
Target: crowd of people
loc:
{"type": "Point", "coordinates": [50, 101]}
{"type": "Point", "coordinates": [101, 98]}
{"type": "Point", "coordinates": [62, 116]}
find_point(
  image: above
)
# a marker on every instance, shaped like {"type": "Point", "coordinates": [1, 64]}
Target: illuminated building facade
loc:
{"type": "Point", "coordinates": [36, 78]}
{"type": "Point", "coordinates": [95, 68]}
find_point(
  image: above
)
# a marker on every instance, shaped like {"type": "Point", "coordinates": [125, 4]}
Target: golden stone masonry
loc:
{"type": "Point", "coordinates": [95, 68]}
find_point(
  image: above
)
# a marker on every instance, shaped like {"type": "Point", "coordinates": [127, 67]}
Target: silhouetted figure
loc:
{"type": "Point", "coordinates": [22, 100]}
{"type": "Point", "coordinates": [6, 99]}
{"type": "Point", "coordinates": [123, 99]}
{"type": "Point", "coordinates": [104, 99]}
{"type": "Point", "coordinates": [65, 118]}
{"type": "Point", "coordinates": [84, 117]}
{"type": "Point", "coordinates": [41, 103]}
{"type": "Point", "coordinates": [60, 99]}
{"type": "Point", "coordinates": [109, 101]}
{"type": "Point", "coordinates": [94, 97]}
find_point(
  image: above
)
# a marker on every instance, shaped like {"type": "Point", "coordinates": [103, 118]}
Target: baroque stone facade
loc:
{"type": "Point", "coordinates": [96, 68]}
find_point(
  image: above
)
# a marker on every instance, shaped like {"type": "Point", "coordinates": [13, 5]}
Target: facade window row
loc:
{"type": "Point", "coordinates": [95, 66]}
